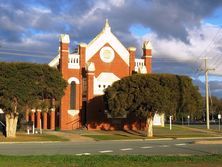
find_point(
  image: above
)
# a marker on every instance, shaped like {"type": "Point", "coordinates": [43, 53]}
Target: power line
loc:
{"type": "Point", "coordinates": [208, 47]}
{"type": "Point", "coordinates": [24, 55]}
{"type": "Point", "coordinates": [212, 41]}
{"type": "Point", "coordinates": [22, 50]}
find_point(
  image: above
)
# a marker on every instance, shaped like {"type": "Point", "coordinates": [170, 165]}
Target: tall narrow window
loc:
{"type": "Point", "coordinates": [73, 95]}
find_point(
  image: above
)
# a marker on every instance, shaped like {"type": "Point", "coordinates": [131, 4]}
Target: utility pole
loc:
{"type": "Point", "coordinates": [206, 70]}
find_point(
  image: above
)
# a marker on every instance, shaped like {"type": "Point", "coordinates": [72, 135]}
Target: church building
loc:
{"type": "Point", "coordinates": [90, 70]}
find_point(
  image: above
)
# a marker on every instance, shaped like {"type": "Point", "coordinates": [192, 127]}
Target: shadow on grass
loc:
{"type": "Point", "coordinates": [134, 132]}
{"type": "Point", "coordinates": [2, 130]}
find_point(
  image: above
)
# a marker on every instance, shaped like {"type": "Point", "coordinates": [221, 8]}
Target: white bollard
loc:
{"type": "Point", "coordinates": [188, 120]}
{"type": "Point", "coordinates": [33, 129]}
{"type": "Point", "coordinates": [40, 126]}
{"type": "Point", "coordinates": [170, 122]}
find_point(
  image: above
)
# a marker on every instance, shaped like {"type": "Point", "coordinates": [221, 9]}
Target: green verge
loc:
{"type": "Point", "coordinates": [21, 137]}
{"type": "Point", "coordinates": [179, 131]}
{"type": "Point", "coordinates": [159, 132]}
{"type": "Point", "coordinates": [110, 161]}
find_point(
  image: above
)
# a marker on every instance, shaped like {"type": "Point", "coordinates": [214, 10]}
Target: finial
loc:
{"type": "Point", "coordinates": [107, 23]}
{"type": "Point", "coordinates": [107, 26]}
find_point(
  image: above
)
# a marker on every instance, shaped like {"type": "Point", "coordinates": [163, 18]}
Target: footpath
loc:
{"type": "Point", "coordinates": [70, 135]}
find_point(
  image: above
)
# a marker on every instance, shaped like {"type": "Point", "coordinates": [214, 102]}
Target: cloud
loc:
{"type": "Point", "coordinates": [83, 19]}
{"type": "Point", "coordinates": [201, 43]}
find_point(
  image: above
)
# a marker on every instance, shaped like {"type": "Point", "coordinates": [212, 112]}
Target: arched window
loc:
{"type": "Point", "coordinates": [73, 95]}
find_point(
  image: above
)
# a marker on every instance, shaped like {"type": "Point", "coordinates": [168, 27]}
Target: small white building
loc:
{"type": "Point", "coordinates": [158, 119]}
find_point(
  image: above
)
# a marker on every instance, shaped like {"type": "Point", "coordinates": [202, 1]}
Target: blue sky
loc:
{"type": "Point", "coordinates": [215, 18]}
{"type": "Point", "coordinates": [181, 31]}
{"type": "Point", "coordinates": [139, 30]}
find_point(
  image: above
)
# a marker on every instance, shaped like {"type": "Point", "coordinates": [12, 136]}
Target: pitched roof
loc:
{"type": "Point", "coordinates": [105, 36]}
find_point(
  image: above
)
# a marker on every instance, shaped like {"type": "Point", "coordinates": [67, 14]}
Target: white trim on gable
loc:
{"type": "Point", "coordinates": [55, 61]}
{"type": "Point", "coordinates": [76, 80]}
{"type": "Point", "coordinates": [106, 36]}
{"type": "Point", "coordinates": [103, 38]}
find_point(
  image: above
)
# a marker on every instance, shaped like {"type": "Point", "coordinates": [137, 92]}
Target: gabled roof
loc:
{"type": "Point", "coordinates": [106, 36]}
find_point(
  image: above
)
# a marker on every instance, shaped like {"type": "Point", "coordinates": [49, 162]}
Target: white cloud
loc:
{"type": "Point", "coordinates": [203, 41]}
{"type": "Point", "coordinates": [117, 3]}
{"type": "Point", "coordinates": [41, 10]}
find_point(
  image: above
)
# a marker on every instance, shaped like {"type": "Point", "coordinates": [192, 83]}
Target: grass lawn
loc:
{"type": "Point", "coordinates": [111, 161]}
{"type": "Point", "coordinates": [22, 137]}
{"type": "Point", "coordinates": [114, 137]}
{"type": "Point", "coordinates": [177, 131]}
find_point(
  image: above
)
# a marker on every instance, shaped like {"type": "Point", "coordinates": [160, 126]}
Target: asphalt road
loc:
{"type": "Point", "coordinates": [166, 147]}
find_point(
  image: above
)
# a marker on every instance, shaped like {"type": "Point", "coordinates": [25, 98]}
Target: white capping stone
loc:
{"type": "Point", "coordinates": [132, 49]}
{"type": "Point", "coordinates": [147, 45]}
{"type": "Point", "coordinates": [83, 44]}
{"type": "Point", "coordinates": [142, 70]}
{"type": "Point", "coordinates": [91, 67]}
{"type": "Point", "coordinates": [64, 38]}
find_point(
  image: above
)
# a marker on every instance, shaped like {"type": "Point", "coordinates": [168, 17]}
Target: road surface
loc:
{"type": "Point", "coordinates": [164, 147]}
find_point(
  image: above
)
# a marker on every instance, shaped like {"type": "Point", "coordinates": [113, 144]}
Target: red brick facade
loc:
{"type": "Point", "coordinates": [88, 72]}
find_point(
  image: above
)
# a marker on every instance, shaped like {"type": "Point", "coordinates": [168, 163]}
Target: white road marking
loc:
{"type": "Point", "coordinates": [145, 147]}
{"type": "Point", "coordinates": [83, 154]}
{"type": "Point", "coordinates": [106, 151]}
{"type": "Point", "coordinates": [181, 144]}
{"type": "Point", "coordinates": [126, 149]}
{"type": "Point", "coordinates": [164, 146]}
{"type": "Point", "coordinates": [79, 154]}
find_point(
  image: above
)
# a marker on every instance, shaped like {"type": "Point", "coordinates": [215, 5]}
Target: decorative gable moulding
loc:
{"type": "Point", "coordinates": [104, 37]}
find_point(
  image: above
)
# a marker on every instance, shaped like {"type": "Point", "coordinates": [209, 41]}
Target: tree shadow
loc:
{"type": "Point", "coordinates": [134, 132]}
{"type": "Point", "coordinates": [2, 126]}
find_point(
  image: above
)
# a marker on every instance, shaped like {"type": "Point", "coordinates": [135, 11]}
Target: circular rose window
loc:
{"type": "Point", "coordinates": [107, 54]}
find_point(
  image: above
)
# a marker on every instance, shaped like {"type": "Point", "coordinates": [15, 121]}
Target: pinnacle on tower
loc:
{"type": "Point", "coordinates": [147, 45]}
{"type": "Point", "coordinates": [107, 26]}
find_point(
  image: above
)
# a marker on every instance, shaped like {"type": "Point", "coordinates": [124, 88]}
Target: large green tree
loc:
{"type": "Point", "coordinates": [144, 94]}
{"type": "Point", "coordinates": [215, 106]}
{"type": "Point", "coordinates": [24, 86]}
